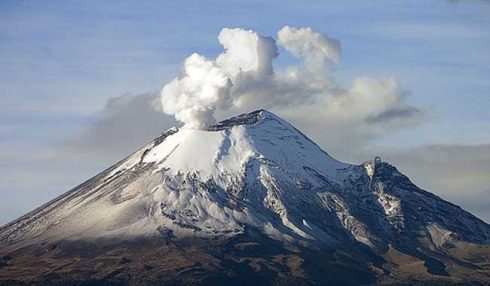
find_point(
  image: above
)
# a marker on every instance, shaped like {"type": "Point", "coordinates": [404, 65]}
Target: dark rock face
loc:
{"type": "Point", "coordinates": [242, 119]}
{"type": "Point", "coordinates": [245, 259]}
{"type": "Point", "coordinates": [284, 224]}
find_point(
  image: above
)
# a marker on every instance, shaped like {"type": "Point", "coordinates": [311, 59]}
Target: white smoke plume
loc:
{"type": "Point", "coordinates": [205, 85]}
{"type": "Point", "coordinates": [194, 96]}
{"type": "Point", "coordinates": [246, 52]}
{"type": "Point", "coordinates": [242, 78]}
{"type": "Point", "coordinates": [305, 43]}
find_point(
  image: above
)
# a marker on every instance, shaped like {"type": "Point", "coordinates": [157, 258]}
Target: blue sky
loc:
{"type": "Point", "coordinates": [61, 62]}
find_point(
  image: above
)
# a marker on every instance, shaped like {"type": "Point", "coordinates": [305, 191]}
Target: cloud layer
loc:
{"type": "Point", "coordinates": [126, 123]}
{"type": "Point", "coordinates": [458, 173]}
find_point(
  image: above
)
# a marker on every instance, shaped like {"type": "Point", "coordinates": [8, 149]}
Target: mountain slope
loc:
{"type": "Point", "coordinates": [249, 197]}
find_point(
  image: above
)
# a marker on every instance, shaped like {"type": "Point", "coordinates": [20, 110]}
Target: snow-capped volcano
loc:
{"type": "Point", "coordinates": [196, 182]}
{"type": "Point", "coordinates": [257, 172]}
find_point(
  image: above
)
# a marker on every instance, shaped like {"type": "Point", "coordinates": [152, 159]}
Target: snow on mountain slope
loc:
{"type": "Point", "coordinates": [217, 154]}
{"type": "Point", "coordinates": [252, 170]}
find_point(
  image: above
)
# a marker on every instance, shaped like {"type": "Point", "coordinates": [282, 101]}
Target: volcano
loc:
{"type": "Point", "coordinates": [248, 200]}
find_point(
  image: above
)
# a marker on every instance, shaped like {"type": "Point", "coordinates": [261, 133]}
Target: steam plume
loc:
{"type": "Point", "coordinates": [242, 78]}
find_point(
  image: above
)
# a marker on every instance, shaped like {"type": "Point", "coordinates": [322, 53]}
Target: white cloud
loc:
{"type": "Point", "coordinates": [206, 85]}
{"type": "Point", "coordinates": [367, 96]}
{"type": "Point", "coordinates": [458, 173]}
{"type": "Point", "coordinates": [246, 52]}
{"type": "Point", "coordinates": [312, 46]}
{"type": "Point", "coordinates": [242, 78]}
{"type": "Point", "coordinates": [194, 96]}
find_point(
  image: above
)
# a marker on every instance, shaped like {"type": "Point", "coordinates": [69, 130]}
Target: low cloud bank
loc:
{"type": "Point", "coordinates": [458, 173]}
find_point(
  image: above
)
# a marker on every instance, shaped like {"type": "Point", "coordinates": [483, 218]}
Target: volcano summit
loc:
{"type": "Point", "coordinates": [249, 200]}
